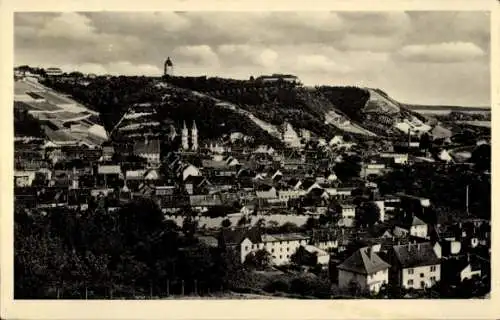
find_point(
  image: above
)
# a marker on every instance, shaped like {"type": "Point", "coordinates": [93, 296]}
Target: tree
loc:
{"type": "Point", "coordinates": [368, 214]}
{"type": "Point", "coordinates": [260, 259]}
{"type": "Point", "coordinates": [481, 157]}
{"type": "Point", "coordinates": [425, 142]}
{"type": "Point", "coordinates": [312, 223]}
{"type": "Point", "coordinates": [261, 223]}
{"type": "Point", "coordinates": [243, 221]}
{"type": "Point", "coordinates": [226, 223]}
{"type": "Point", "coordinates": [189, 226]}
{"type": "Point", "coordinates": [349, 168]}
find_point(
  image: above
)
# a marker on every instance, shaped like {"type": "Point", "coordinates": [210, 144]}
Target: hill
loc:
{"type": "Point", "coordinates": [221, 106]}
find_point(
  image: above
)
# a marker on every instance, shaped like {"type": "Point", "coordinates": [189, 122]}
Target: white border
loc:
{"type": "Point", "coordinates": [228, 309]}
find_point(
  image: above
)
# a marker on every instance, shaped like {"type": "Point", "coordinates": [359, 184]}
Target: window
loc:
{"type": "Point", "coordinates": [287, 249]}
{"type": "Point", "coordinates": [410, 282]}
{"type": "Point", "coordinates": [422, 284]}
{"type": "Point", "coordinates": [433, 279]}
{"type": "Point", "coordinates": [246, 248]}
{"type": "Point", "coordinates": [281, 249]}
{"type": "Point", "coordinates": [281, 257]}
{"type": "Point", "coordinates": [433, 268]}
{"type": "Point", "coordinates": [410, 271]}
{"type": "Point", "coordinates": [272, 250]}
{"type": "Point", "coordinates": [421, 275]}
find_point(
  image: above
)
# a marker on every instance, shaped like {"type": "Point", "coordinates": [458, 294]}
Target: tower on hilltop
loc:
{"type": "Point", "coordinates": [168, 67]}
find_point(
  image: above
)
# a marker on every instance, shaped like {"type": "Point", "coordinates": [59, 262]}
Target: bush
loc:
{"type": "Point", "coordinates": [277, 286]}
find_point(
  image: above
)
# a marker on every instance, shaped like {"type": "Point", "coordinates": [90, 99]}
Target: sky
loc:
{"type": "Point", "coordinates": [419, 57]}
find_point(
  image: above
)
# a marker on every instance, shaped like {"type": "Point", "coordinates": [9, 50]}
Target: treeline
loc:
{"type": "Point", "coordinates": [349, 100]}
{"type": "Point", "coordinates": [100, 254]}
{"type": "Point", "coordinates": [212, 121]}
{"type": "Point", "coordinates": [272, 102]}
{"type": "Point", "coordinates": [445, 186]}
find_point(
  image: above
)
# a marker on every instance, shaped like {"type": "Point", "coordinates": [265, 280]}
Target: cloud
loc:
{"type": "Point", "coordinates": [200, 54]}
{"type": "Point", "coordinates": [376, 23]}
{"type": "Point", "coordinates": [366, 42]}
{"type": "Point", "coordinates": [253, 54]}
{"type": "Point", "coordinates": [450, 26]}
{"type": "Point", "coordinates": [441, 53]}
{"type": "Point", "coordinates": [317, 62]}
{"type": "Point", "coordinates": [139, 23]}
{"type": "Point", "coordinates": [68, 25]}
{"type": "Point", "coordinates": [267, 58]}
{"type": "Point", "coordinates": [367, 48]}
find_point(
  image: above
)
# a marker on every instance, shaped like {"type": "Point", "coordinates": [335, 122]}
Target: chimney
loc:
{"type": "Point", "coordinates": [369, 252]}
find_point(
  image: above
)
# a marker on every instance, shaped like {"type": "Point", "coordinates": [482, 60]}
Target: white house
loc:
{"type": "Point", "coordinates": [381, 206]}
{"type": "Point", "coordinates": [419, 228]}
{"type": "Point", "coordinates": [365, 269]}
{"type": "Point", "coordinates": [290, 194]}
{"type": "Point", "coordinates": [415, 265]}
{"type": "Point", "coordinates": [348, 211]}
{"type": "Point", "coordinates": [189, 170]}
{"type": "Point", "coordinates": [24, 178]}
{"type": "Point", "coordinates": [267, 193]}
{"type": "Point", "coordinates": [279, 246]}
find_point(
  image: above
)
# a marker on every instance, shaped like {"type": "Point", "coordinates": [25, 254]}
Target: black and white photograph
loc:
{"type": "Point", "coordinates": [175, 155]}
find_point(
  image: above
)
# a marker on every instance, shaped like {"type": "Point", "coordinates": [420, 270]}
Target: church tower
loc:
{"type": "Point", "coordinates": [185, 137]}
{"type": "Point", "coordinates": [194, 137]}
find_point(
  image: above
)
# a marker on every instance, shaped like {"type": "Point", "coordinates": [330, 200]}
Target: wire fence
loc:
{"type": "Point", "coordinates": [169, 289]}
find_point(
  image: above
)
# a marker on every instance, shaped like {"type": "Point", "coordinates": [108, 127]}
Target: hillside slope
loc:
{"type": "Point", "coordinates": [220, 106]}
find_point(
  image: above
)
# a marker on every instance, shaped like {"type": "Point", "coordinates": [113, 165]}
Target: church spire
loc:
{"type": "Point", "coordinates": [185, 137]}
{"type": "Point", "coordinates": [194, 137]}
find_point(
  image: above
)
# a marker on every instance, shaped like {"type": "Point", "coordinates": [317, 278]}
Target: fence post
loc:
{"type": "Point", "coordinates": [195, 287]}
{"type": "Point", "coordinates": [182, 288]}
{"type": "Point", "coordinates": [86, 293]}
{"type": "Point", "coordinates": [150, 289]}
{"type": "Point", "coordinates": [168, 287]}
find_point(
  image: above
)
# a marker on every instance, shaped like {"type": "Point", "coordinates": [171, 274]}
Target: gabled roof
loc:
{"type": "Point", "coordinates": [195, 180]}
{"type": "Point", "coordinates": [416, 254]}
{"type": "Point", "coordinates": [416, 221]}
{"type": "Point", "coordinates": [237, 235]}
{"type": "Point", "coordinates": [364, 261]}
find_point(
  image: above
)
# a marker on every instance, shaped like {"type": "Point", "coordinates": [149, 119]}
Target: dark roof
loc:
{"type": "Point", "coordinates": [237, 235]}
{"type": "Point", "coordinates": [416, 255]}
{"type": "Point", "coordinates": [195, 180]}
{"type": "Point", "coordinates": [307, 183]}
{"type": "Point", "coordinates": [364, 261]}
